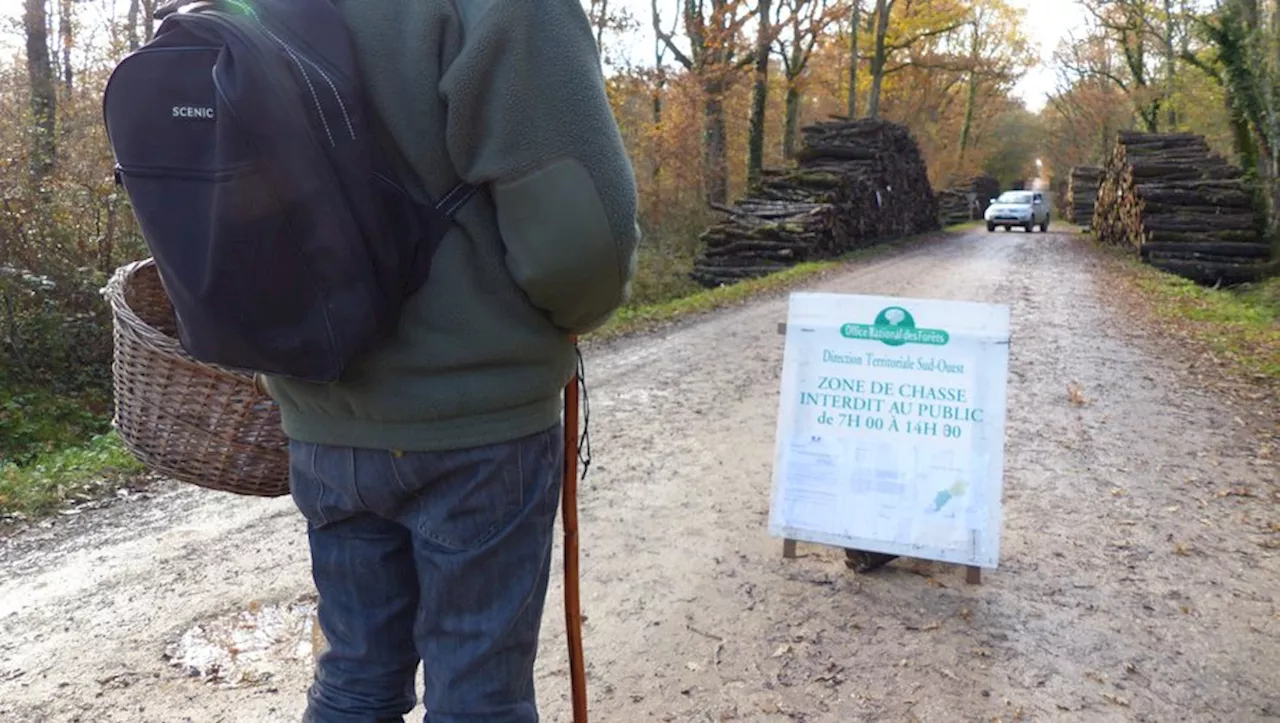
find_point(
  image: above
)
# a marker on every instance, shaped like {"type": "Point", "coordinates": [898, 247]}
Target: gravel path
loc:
{"type": "Point", "coordinates": [1138, 580]}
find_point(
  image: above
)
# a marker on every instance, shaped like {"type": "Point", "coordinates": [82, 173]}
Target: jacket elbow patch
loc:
{"type": "Point", "coordinates": [559, 242]}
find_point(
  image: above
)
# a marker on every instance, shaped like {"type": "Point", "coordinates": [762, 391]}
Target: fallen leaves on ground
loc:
{"type": "Point", "coordinates": [1075, 394]}
{"type": "Point", "coordinates": [1236, 492]}
{"type": "Point", "coordinates": [1113, 698]}
{"type": "Point", "coordinates": [924, 628]}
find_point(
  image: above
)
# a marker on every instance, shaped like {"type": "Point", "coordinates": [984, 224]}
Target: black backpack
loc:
{"type": "Point", "coordinates": [271, 198]}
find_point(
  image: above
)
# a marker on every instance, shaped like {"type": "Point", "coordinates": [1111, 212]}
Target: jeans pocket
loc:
{"type": "Point", "coordinates": [473, 495]}
{"type": "Point", "coordinates": [307, 484]}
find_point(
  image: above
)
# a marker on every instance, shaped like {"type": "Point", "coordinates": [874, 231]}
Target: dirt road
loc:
{"type": "Point", "coordinates": [1138, 578]}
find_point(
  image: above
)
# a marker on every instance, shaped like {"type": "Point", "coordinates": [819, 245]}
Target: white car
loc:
{"type": "Point", "coordinates": [1027, 209]}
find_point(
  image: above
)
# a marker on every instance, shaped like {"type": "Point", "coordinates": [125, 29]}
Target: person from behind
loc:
{"type": "Point", "coordinates": [430, 475]}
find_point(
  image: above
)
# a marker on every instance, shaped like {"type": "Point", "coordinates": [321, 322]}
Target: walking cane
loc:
{"type": "Point", "coordinates": [569, 501]}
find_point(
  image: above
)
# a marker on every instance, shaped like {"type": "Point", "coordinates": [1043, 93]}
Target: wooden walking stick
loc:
{"type": "Point", "coordinates": [569, 502]}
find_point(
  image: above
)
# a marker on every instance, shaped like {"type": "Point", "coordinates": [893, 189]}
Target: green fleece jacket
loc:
{"type": "Point", "coordinates": [507, 95]}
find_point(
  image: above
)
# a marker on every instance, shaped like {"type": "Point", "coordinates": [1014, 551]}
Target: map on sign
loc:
{"type": "Point", "coordinates": [890, 434]}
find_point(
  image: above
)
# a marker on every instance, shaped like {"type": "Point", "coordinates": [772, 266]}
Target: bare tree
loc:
{"type": "Point", "coordinates": [131, 25]}
{"type": "Point", "coordinates": [599, 15]}
{"type": "Point", "coordinates": [44, 98]}
{"type": "Point", "coordinates": [149, 20]}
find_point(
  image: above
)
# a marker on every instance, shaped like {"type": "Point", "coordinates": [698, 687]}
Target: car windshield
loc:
{"type": "Point", "coordinates": [1014, 197]}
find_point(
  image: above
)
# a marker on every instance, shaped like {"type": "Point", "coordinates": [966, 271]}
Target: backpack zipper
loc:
{"type": "Point", "coordinates": [181, 174]}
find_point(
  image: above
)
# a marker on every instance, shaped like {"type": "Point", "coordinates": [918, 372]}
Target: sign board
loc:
{"type": "Point", "coordinates": [891, 425]}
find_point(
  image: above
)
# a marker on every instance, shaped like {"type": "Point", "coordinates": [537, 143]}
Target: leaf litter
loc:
{"type": "Point", "coordinates": [245, 648]}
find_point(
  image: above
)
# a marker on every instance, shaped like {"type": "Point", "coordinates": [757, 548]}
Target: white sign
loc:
{"type": "Point", "coordinates": [891, 426]}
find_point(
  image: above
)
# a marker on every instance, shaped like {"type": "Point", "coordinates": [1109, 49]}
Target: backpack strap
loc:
{"type": "Point", "coordinates": [448, 204]}
{"type": "Point", "coordinates": [456, 198]}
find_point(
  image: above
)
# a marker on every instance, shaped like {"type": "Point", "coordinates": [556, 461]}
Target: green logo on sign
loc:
{"type": "Point", "coordinates": [895, 326]}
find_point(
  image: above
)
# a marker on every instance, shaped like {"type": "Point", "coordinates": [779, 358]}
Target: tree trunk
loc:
{"type": "Point", "coordinates": [878, 60]}
{"type": "Point", "coordinates": [149, 17]}
{"type": "Point", "coordinates": [656, 149]}
{"type": "Point", "coordinates": [66, 36]}
{"type": "Point", "coordinates": [1250, 10]}
{"type": "Point", "coordinates": [970, 103]}
{"type": "Point", "coordinates": [971, 98]}
{"type": "Point", "coordinates": [715, 162]}
{"type": "Point", "coordinates": [1170, 68]}
{"type": "Point", "coordinates": [655, 137]}
{"type": "Point", "coordinates": [1273, 84]}
{"type": "Point", "coordinates": [792, 121]}
{"type": "Point", "coordinates": [131, 21]}
{"type": "Point", "coordinates": [659, 87]}
{"type": "Point", "coordinates": [35, 21]}
{"type": "Point", "coordinates": [855, 24]}
{"type": "Point", "coordinates": [600, 16]}
{"type": "Point", "coordinates": [1235, 37]}
{"type": "Point", "coordinates": [759, 94]}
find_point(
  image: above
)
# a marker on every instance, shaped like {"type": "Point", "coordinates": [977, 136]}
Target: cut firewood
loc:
{"type": "Point", "coordinates": [1225, 273]}
{"type": "Point", "coordinates": [857, 183]}
{"type": "Point", "coordinates": [1082, 194]}
{"type": "Point", "coordinates": [1183, 207]}
{"type": "Point", "coordinates": [1223, 249]}
{"type": "Point", "coordinates": [966, 200]}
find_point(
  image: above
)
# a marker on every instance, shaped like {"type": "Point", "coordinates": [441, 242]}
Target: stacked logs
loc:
{"type": "Point", "coordinates": [967, 200]}
{"type": "Point", "coordinates": [954, 206]}
{"type": "Point", "coordinates": [985, 189]}
{"type": "Point", "coordinates": [856, 183]}
{"type": "Point", "coordinates": [1082, 194]}
{"type": "Point", "coordinates": [1185, 209]}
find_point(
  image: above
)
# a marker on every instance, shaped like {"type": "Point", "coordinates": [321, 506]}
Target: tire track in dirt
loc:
{"type": "Point", "coordinates": [1128, 590]}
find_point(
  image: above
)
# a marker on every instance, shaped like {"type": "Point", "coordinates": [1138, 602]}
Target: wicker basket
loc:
{"type": "Point", "coordinates": [188, 420]}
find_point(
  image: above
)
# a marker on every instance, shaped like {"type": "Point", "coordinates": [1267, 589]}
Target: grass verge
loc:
{"type": "Point", "coordinates": [635, 319]}
{"type": "Point", "coordinates": [72, 474]}
{"type": "Point", "coordinates": [1238, 327]}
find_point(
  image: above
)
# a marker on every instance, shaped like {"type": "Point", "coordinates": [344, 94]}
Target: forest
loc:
{"type": "Point", "coordinates": [720, 100]}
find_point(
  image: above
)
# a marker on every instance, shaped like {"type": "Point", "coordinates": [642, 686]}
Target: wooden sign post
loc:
{"type": "Point", "coordinates": [890, 433]}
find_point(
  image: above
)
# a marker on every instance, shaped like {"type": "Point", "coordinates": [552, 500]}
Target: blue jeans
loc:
{"type": "Point", "coordinates": [436, 557]}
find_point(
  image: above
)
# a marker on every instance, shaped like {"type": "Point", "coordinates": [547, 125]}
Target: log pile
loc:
{"type": "Point", "coordinates": [1082, 194]}
{"type": "Point", "coordinates": [1185, 209]}
{"type": "Point", "coordinates": [855, 184]}
{"type": "Point", "coordinates": [967, 200]}
{"type": "Point", "coordinates": [986, 189]}
{"type": "Point", "coordinates": [955, 206]}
